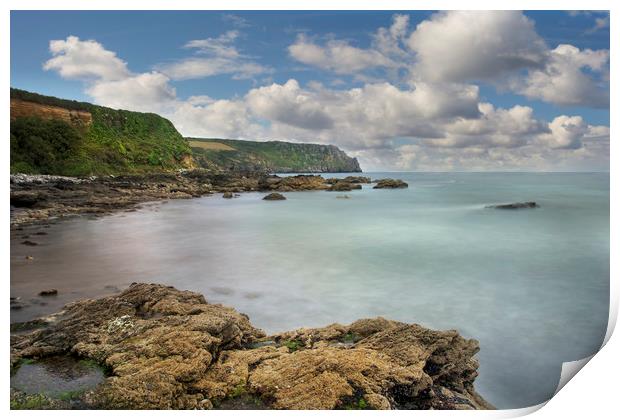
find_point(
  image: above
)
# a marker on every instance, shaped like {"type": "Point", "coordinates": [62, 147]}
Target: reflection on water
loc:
{"type": "Point", "coordinates": [531, 285]}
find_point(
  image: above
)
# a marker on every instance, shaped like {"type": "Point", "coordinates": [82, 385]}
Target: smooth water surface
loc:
{"type": "Point", "coordinates": [531, 285]}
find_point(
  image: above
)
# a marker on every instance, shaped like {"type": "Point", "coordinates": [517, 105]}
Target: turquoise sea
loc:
{"type": "Point", "coordinates": [531, 285]}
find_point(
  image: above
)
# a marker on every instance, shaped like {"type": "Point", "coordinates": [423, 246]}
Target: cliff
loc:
{"type": "Point", "coordinates": [57, 136]}
{"type": "Point", "coordinates": [162, 348]}
{"type": "Point", "coordinates": [271, 156]}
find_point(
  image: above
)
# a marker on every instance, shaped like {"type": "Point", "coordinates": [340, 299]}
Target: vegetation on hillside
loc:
{"type": "Point", "coordinates": [116, 142]}
{"type": "Point", "coordinates": [119, 142]}
{"type": "Point", "coordinates": [274, 156]}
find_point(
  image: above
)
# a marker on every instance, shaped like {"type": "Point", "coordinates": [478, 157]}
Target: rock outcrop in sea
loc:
{"type": "Point", "coordinates": [515, 206]}
{"type": "Point", "coordinates": [390, 183]}
{"type": "Point", "coordinates": [168, 349]}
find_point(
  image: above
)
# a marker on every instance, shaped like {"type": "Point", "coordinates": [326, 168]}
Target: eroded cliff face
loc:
{"type": "Point", "coordinates": [77, 118]}
{"type": "Point", "coordinates": [166, 348]}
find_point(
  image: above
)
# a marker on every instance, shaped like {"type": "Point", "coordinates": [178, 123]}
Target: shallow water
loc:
{"type": "Point", "coordinates": [57, 377]}
{"type": "Point", "coordinates": [531, 285]}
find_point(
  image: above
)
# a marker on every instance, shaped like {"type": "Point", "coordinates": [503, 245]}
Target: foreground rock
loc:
{"type": "Point", "coordinates": [166, 348]}
{"type": "Point", "coordinates": [390, 183]}
{"type": "Point", "coordinates": [515, 206]}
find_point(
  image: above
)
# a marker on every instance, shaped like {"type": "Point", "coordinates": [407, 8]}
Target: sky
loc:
{"type": "Point", "coordinates": [400, 90]}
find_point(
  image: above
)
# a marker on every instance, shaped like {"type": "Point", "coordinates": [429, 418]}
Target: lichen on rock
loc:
{"type": "Point", "coordinates": [170, 349]}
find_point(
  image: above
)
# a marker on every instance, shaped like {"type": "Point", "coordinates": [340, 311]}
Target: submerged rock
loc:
{"type": "Point", "coordinates": [344, 186]}
{"type": "Point", "coordinates": [515, 206]}
{"type": "Point", "coordinates": [49, 292]}
{"type": "Point", "coordinates": [166, 348]}
{"type": "Point", "coordinates": [274, 196]}
{"type": "Point", "coordinates": [390, 183]}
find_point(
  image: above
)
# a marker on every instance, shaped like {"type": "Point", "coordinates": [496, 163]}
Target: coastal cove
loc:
{"type": "Point", "coordinates": [531, 285]}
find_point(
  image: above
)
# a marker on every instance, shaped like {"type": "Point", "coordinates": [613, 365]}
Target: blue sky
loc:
{"type": "Point", "coordinates": [329, 55]}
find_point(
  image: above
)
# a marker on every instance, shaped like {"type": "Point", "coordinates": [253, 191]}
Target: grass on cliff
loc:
{"type": "Point", "coordinates": [269, 155]}
{"type": "Point", "coordinates": [118, 141]}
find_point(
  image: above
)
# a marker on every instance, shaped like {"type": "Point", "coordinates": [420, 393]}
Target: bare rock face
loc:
{"type": "Point", "coordinates": [166, 348]}
{"type": "Point", "coordinates": [390, 183]}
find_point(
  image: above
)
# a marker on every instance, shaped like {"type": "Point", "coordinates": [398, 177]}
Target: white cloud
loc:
{"type": "Point", "coordinates": [599, 23]}
{"type": "Point", "coordinates": [219, 47]}
{"type": "Point", "coordinates": [236, 20]}
{"type": "Point", "coordinates": [198, 67]}
{"type": "Point", "coordinates": [76, 59]}
{"type": "Point", "coordinates": [500, 48]}
{"type": "Point", "coordinates": [512, 127]}
{"type": "Point", "coordinates": [290, 105]}
{"type": "Point", "coordinates": [337, 56]}
{"type": "Point", "coordinates": [460, 46]}
{"type": "Point", "coordinates": [147, 92]}
{"type": "Point", "coordinates": [390, 40]}
{"type": "Point", "coordinates": [566, 132]}
{"type": "Point", "coordinates": [562, 80]}
{"type": "Point", "coordinates": [218, 119]}
{"type": "Point", "coordinates": [215, 56]}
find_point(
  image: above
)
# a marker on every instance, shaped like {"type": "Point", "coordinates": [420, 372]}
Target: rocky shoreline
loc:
{"type": "Point", "coordinates": [162, 348]}
{"type": "Point", "coordinates": [39, 198]}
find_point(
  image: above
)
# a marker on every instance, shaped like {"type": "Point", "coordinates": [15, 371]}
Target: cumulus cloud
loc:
{"type": "Point", "coordinates": [76, 59]}
{"type": "Point", "coordinates": [290, 105]}
{"type": "Point", "coordinates": [566, 132]}
{"type": "Point", "coordinates": [147, 92]}
{"type": "Point", "coordinates": [512, 127]}
{"type": "Point", "coordinates": [500, 48]}
{"type": "Point", "coordinates": [562, 80]}
{"type": "Point", "coordinates": [459, 46]}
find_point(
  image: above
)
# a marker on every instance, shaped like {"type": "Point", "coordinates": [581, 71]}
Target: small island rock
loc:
{"type": "Point", "coordinates": [274, 196]}
{"type": "Point", "coordinates": [390, 183]}
{"type": "Point", "coordinates": [49, 292]}
{"type": "Point", "coordinates": [515, 206]}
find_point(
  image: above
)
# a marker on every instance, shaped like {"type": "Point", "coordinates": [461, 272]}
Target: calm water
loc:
{"type": "Point", "coordinates": [531, 285]}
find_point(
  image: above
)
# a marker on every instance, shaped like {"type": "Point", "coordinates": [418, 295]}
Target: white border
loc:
{"type": "Point", "coordinates": [593, 394]}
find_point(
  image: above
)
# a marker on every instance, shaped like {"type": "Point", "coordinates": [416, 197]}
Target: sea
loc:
{"type": "Point", "coordinates": [531, 285]}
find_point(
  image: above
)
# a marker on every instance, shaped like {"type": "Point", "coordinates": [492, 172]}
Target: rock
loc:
{"type": "Point", "coordinates": [344, 186]}
{"type": "Point", "coordinates": [49, 292]}
{"type": "Point", "coordinates": [30, 243]}
{"type": "Point", "coordinates": [166, 348]}
{"type": "Point", "coordinates": [29, 257]}
{"type": "Point", "coordinates": [227, 195]}
{"type": "Point", "coordinates": [515, 206]}
{"type": "Point", "coordinates": [343, 196]}
{"type": "Point", "coordinates": [49, 198]}
{"type": "Point", "coordinates": [274, 196]}
{"type": "Point", "coordinates": [390, 183]}
{"type": "Point", "coordinates": [357, 179]}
